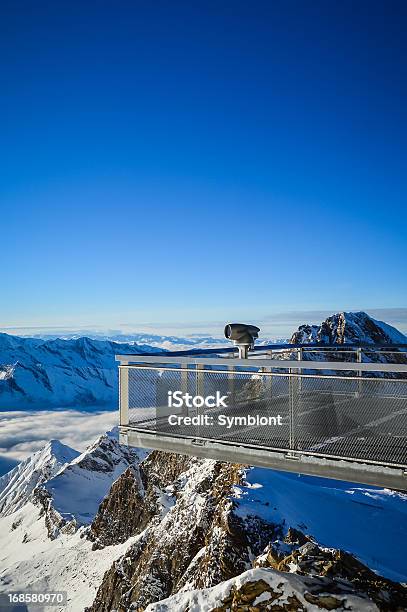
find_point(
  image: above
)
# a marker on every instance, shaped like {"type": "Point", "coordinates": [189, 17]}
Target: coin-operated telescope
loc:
{"type": "Point", "coordinates": [243, 336]}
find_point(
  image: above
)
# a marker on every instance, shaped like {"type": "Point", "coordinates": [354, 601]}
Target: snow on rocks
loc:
{"type": "Point", "coordinates": [265, 589]}
{"type": "Point", "coordinates": [72, 497]}
{"type": "Point", "coordinates": [17, 486]}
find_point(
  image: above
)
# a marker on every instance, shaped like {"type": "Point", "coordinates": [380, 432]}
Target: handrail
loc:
{"type": "Point", "coordinates": [283, 346]}
{"type": "Point", "coordinates": [128, 360]}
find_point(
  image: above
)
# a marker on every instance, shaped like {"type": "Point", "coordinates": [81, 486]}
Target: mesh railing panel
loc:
{"type": "Point", "coordinates": [352, 418]}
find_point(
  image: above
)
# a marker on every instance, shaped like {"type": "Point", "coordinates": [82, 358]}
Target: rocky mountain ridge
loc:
{"type": "Point", "coordinates": [198, 542]}
{"type": "Point", "coordinates": [18, 485]}
{"type": "Point", "coordinates": [347, 328]}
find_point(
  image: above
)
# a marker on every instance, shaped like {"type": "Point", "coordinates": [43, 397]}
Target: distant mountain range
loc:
{"type": "Point", "coordinates": [154, 340]}
{"type": "Point", "coordinates": [79, 372]}
{"type": "Point", "coordinates": [37, 373]}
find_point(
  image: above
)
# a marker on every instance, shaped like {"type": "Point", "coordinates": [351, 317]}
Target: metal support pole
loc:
{"type": "Point", "coordinates": [124, 394]}
{"type": "Point", "coordinates": [359, 373]}
{"type": "Point", "coordinates": [243, 351]}
{"type": "Point", "coordinates": [231, 385]}
{"type": "Point", "coordinates": [268, 383]}
{"type": "Point", "coordinates": [184, 386]}
{"type": "Point", "coordinates": [299, 358]}
{"type": "Point", "coordinates": [199, 391]}
{"type": "Point", "coordinates": [291, 388]}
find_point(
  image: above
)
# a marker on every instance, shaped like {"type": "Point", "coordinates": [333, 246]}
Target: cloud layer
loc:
{"type": "Point", "coordinates": [273, 324]}
{"type": "Point", "coordinates": [23, 433]}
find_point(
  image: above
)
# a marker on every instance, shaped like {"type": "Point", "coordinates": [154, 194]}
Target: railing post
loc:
{"type": "Point", "coordinates": [299, 358]}
{"type": "Point", "coordinates": [292, 389]}
{"type": "Point", "coordinates": [199, 390]}
{"type": "Point", "coordinates": [268, 383]}
{"type": "Point", "coordinates": [231, 384]}
{"type": "Point", "coordinates": [124, 393]}
{"type": "Point", "coordinates": [359, 373]}
{"type": "Point", "coordinates": [184, 384]}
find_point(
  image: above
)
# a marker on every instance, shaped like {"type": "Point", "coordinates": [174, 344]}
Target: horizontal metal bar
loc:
{"type": "Point", "coordinates": [288, 346]}
{"type": "Point", "coordinates": [259, 373]}
{"type": "Point", "coordinates": [359, 471]}
{"type": "Point", "coordinates": [136, 427]}
{"type": "Point", "coordinates": [269, 363]}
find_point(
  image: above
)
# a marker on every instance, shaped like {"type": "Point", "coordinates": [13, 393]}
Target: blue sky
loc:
{"type": "Point", "coordinates": [175, 165]}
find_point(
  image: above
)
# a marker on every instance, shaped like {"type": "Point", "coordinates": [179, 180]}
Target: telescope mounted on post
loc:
{"type": "Point", "coordinates": [242, 336]}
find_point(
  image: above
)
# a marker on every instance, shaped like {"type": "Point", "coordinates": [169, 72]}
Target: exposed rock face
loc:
{"type": "Point", "coordinates": [347, 328]}
{"type": "Point", "coordinates": [193, 539]}
{"type": "Point", "coordinates": [71, 498]}
{"type": "Point", "coordinates": [341, 569]}
{"type": "Point", "coordinates": [135, 499]}
{"type": "Point", "coordinates": [259, 590]}
{"type": "Point", "coordinates": [192, 536]}
{"type": "Point", "coordinates": [125, 501]}
{"type": "Point", "coordinates": [353, 328]}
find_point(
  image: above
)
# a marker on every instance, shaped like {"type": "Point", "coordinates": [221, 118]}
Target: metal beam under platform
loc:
{"type": "Point", "coordinates": [392, 477]}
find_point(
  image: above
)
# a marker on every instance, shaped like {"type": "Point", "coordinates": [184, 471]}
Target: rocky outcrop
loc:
{"type": "Point", "coordinates": [120, 515]}
{"type": "Point", "coordinates": [258, 590]}
{"type": "Point", "coordinates": [353, 328]}
{"type": "Point", "coordinates": [193, 532]}
{"type": "Point", "coordinates": [347, 328]}
{"type": "Point", "coordinates": [193, 538]}
{"type": "Point", "coordinates": [70, 499]}
{"type": "Point", "coordinates": [304, 557]}
{"type": "Point", "coordinates": [55, 523]}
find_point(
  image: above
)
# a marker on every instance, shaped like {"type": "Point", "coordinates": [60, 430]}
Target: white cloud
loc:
{"type": "Point", "coordinates": [23, 433]}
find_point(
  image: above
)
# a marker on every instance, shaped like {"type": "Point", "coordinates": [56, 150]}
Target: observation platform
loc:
{"type": "Point", "coordinates": [337, 411]}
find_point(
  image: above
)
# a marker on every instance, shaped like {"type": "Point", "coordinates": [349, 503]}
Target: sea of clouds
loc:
{"type": "Point", "coordinates": [23, 433]}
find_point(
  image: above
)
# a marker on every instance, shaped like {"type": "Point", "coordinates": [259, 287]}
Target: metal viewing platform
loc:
{"type": "Point", "coordinates": [337, 411]}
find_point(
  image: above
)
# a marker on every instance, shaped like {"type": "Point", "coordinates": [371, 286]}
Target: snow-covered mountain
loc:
{"type": "Point", "coordinates": [38, 373]}
{"type": "Point", "coordinates": [123, 529]}
{"type": "Point", "coordinates": [16, 486]}
{"type": "Point", "coordinates": [51, 499]}
{"type": "Point", "coordinates": [202, 523]}
{"type": "Point", "coordinates": [353, 328]}
{"type": "Point", "coordinates": [176, 533]}
{"type": "Point", "coordinates": [72, 496]}
{"type": "Point", "coordinates": [119, 530]}
{"type": "Point", "coordinates": [348, 328]}
{"type": "Point", "coordinates": [159, 341]}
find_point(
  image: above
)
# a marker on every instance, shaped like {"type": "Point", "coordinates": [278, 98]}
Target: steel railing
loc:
{"type": "Point", "coordinates": [354, 411]}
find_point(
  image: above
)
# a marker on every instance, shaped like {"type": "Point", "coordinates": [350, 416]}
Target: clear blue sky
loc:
{"type": "Point", "coordinates": [177, 162]}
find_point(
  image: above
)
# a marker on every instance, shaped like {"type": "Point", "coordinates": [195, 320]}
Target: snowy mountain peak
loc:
{"type": "Point", "coordinates": [17, 486]}
{"type": "Point", "coordinates": [348, 328]}
{"type": "Point", "coordinates": [71, 497]}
